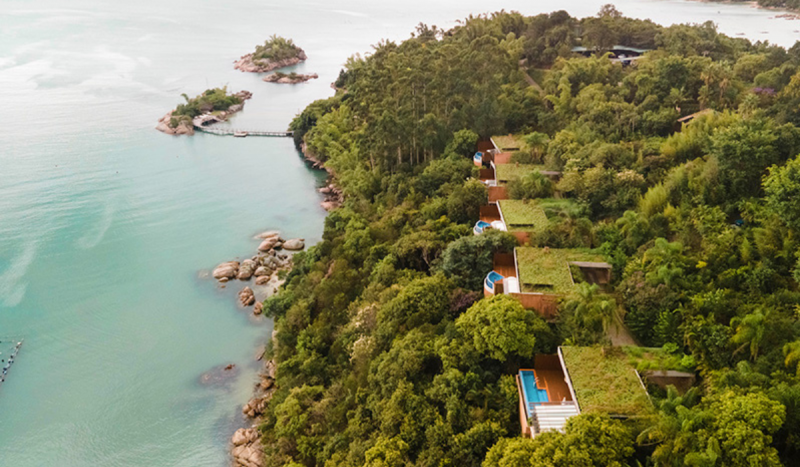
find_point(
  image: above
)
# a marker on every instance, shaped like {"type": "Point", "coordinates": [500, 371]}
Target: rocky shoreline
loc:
{"type": "Point", "coordinates": [264, 267]}
{"type": "Point", "coordinates": [293, 78]}
{"type": "Point", "coordinates": [246, 448]}
{"type": "Point", "coordinates": [333, 195]}
{"type": "Point", "coordinates": [185, 128]}
{"type": "Point", "coordinates": [248, 64]}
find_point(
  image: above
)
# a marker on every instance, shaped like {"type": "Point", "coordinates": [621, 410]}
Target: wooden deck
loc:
{"type": "Point", "coordinates": [490, 213]}
{"type": "Point", "coordinates": [553, 381]}
{"type": "Point", "coordinates": [504, 264]}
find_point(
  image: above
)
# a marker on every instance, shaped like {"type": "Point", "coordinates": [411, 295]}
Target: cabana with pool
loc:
{"type": "Point", "coordinates": [546, 399]}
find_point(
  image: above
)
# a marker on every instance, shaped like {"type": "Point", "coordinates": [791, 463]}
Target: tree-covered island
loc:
{"type": "Point", "coordinates": [667, 155]}
{"type": "Point", "coordinates": [213, 105]}
{"type": "Point", "coordinates": [277, 52]}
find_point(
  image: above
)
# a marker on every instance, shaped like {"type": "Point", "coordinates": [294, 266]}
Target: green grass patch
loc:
{"type": "Point", "coordinates": [533, 215]}
{"type": "Point", "coordinates": [546, 270]}
{"type": "Point", "coordinates": [507, 143]}
{"type": "Point", "coordinates": [523, 214]}
{"type": "Point", "coordinates": [507, 172]}
{"type": "Point", "coordinates": [659, 358]}
{"type": "Point", "coordinates": [605, 381]}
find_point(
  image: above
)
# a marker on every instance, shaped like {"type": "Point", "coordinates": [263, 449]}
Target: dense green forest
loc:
{"type": "Point", "coordinates": [787, 4]}
{"type": "Point", "coordinates": [387, 352]}
{"type": "Point", "coordinates": [277, 48]}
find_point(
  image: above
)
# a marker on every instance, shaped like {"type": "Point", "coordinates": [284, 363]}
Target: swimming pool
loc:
{"type": "Point", "coordinates": [491, 278]}
{"type": "Point", "coordinates": [479, 227]}
{"type": "Point", "coordinates": [531, 392]}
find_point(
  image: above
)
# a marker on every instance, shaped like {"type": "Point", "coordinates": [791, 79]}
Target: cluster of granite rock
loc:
{"type": "Point", "coordinates": [263, 266]}
{"type": "Point", "coordinates": [249, 64]}
{"type": "Point", "coordinates": [333, 197]}
{"type": "Point", "coordinates": [247, 450]}
{"type": "Point", "coordinates": [283, 78]}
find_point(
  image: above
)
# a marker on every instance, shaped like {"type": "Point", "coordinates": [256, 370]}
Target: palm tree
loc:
{"type": "Point", "coordinates": [536, 142]}
{"type": "Point", "coordinates": [792, 353]}
{"type": "Point", "coordinates": [750, 332]}
{"type": "Point", "coordinates": [588, 309]}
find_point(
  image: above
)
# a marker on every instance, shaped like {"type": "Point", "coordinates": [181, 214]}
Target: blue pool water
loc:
{"type": "Point", "coordinates": [531, 392]}
{"type": "Point", "coordinates": [491, 279]}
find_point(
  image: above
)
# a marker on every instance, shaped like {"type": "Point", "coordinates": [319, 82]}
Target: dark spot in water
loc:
{"type": "Point", "coordinates": [220, 376]}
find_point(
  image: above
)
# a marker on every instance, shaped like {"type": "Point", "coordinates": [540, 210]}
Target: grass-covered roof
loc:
{"type": "Point", "coordinates": [507, 172]}
{"type": "Point", "coordinates": [507, 142]}
{"type": "Point", "coordinates": [547, 270]}
{"type": "Point", "coordinates": [523, 214]}
{"type": "Point", "coordinates": [605, 381]}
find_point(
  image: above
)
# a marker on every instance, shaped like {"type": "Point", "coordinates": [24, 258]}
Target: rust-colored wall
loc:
{"type": "Point", "coordinates": [546, 305]}
{"type": "Point", "coordinates": [523, 414]}
{"type": "Point", "coordinates": [496, 193]}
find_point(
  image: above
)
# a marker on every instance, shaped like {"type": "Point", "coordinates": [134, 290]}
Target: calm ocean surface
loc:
{"type": "Point", "coordinates": [105, 223]}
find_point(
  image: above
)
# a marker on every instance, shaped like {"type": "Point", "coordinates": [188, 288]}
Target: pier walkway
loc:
{"type": "Point", "coordinates": [226, 131]}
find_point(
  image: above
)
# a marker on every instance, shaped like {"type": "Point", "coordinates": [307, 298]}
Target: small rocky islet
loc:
{"type": "Point", "coordinates": [277, 52]}
{"type": "Point", "coordinates": [213, 105]}
{"type": "Point", "coordinates": [290, 78]}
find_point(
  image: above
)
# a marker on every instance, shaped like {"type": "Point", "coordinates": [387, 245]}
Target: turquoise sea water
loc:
{"type": "Point", "coordinates": [105, 224]}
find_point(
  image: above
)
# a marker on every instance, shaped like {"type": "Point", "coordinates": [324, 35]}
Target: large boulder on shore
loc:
{"type": "Point", "coordinates": [247, 450]}
{"type": "Point", "coordinates": [263, 280]}
{"type": "Point", "coordinates": [226, 270]}
{"type": "Point", "coordinates": [268, 244]}
{"type": "Point", "coordinates": [246, 270]}
{"type": "Point", "coordinates": [294, 244]}
{"type": "Point", "coordinates": [247, 297]}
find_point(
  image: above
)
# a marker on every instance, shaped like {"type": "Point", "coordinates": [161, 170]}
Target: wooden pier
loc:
{"type": "Point", "coordinates": [226, 131]}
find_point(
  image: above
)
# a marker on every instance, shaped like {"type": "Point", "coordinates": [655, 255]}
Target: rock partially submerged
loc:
{"type": "Point", "coordinates": [268, 244]}
{"type": "Point", "coordinates": [248, 64]}
{"type": "Point", "coordinates": [247, 297]}
{"type": "Point", "coordinates": [183, 128]}
{"type": "Point", "coordinates": [291, 78]}
{"type": "Point", "coordinates": [294, 244]}
{"type": "Point", "coordinates": [227, 270]}
{"type": "Point", "coordinates": [219, 375]}
{"type": "Point", "coordinates": [268, 234]}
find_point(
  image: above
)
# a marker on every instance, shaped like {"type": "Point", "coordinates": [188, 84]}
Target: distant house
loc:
{"type": "Point", "coordinates": [506, 143]}
{"type": "Point", "coordinates": [621, 53]}
{"type": "Point", "coordinates": [578, 380]}
{"type": "Point", "coordinates": [546, 400]}
{"type": "Point", "coordinates": [691, 117]}
{"type": "Point", "coordinates": [539, 277]}
{"type": "Point", "coordinates": [603, 380]}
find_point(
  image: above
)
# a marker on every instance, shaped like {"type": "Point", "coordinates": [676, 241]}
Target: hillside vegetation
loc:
{"type": "Point", "coordinates": [387, 352]}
